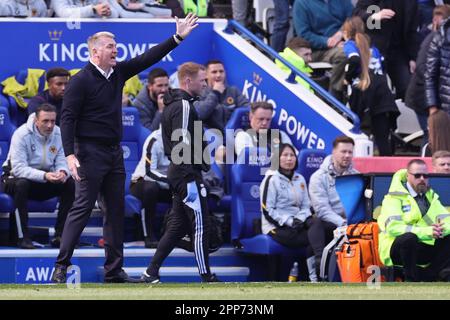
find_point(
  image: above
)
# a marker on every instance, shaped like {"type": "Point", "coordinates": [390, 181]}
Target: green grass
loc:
{"type": "Point", "coordinates": [225, 291]}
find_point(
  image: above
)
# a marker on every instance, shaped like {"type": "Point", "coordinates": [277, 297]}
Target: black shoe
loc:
{"type": "Point", "coordinates": [25, 243]}
{"type": "Point", "coordinates": [149, 279]}
{"type": "Point", "coordinates": [59, 275]}
{"type": "Point", "coordinates": [121, 277]}
{"type": "Point", "coordinates": [149, 243]}
{"type": "Point", "coordinates": [56, 242]}
{"type": "Point", "coordinates": [444, 275]}
{"type": "Point", "coordinates": [210, 278]}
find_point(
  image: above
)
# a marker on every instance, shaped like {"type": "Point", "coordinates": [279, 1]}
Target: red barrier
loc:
{"type": "Point", "coordinates": [385, 164]}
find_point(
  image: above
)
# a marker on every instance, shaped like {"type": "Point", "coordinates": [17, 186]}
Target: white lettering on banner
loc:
{"type": "Point", "coordinates": [63, 52]}
{"type": "Point", "coordinates": [286, 122]}
{"type": "Point", "coordinates": [40, 274]}
{"type": "Point", "coordinates": [2, 119]}
{"type": "Point", "coordinates": [127, 121]}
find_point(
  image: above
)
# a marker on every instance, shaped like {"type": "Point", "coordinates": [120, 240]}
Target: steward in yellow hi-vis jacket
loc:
{"type": "Point", "coordinates": [414, 226]}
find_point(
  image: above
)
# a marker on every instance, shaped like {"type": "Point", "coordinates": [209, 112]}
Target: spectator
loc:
{"type": "Point", "coordinates": [281, 24]}
{"type": "Point", "coordinates": [414, 226]}
{"type": "Point", "coordinates": [84, 9]}
{"type": "Point", "coordinates": [130, 10]}
{"type": "Point", "coordinates": [396, 37]}
{"type": "Point", "coordinates": [149, 101]}
{"type": "Point", "coordinates": [439, 131]}
{"type": "Point", "coordinates": [437, 95]}
{"type": "Point", "coordinates": [441, 162]}
{"type": "Point", "coordinates": [286, 214]}
{"type": "Point", "coordinates": [240, 11]}
{"type": "Point", "coordinates": [415, 95]}
{"type": "Point", "coordinates": [322, 186]}
{"type": "Point", "coordinates": [174, 5]}
{"type": "Point", "coordinates": [218, 101]}
{"type": "Point", "coordinates": [57, 79]}
{"type": "Point", "coordinates": [320, 22]}
{"type": "Point", "coordinates": [260, 121]}
{"type": "Point", "coordinates": [201, 8]}
{"type": "Point", "coordinates": [368, 87]}
{"type": "Point", "coordinates": [298, 52]}
{"type": "Point", "coordinates": [24, 8]}
{"type": "Point", "coordinates": [425, 10]}
{"type": "Point", "coordinates": [36, 169]}
{"type": "Point", "coordinates": [436, 14]}
{"type": "Point", "coordinates": [149, 182]}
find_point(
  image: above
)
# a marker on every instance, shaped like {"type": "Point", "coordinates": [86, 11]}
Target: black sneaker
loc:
{"type": "Point", "coordinates": [59, 275]}
{"type": "Point", "coordinates": [25, 243]}
{"type": "Point", "coordinates": [149, 279]}
{"type": "Point", "coordinates": [210, 278]}
{"type": "Point", "coordinates": [121, 277]}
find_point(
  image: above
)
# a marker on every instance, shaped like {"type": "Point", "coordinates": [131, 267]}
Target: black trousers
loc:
{"type": "Point", "coordinates": [101, 171]}
{"type": "Point", "coordinates": [314, 235]}
{"type": "Point", "coordinates": [408, 252]}
{"type": "Point", "coordinates": [381, 125]}
{"type": "Point", "coordinates": [397, 65]}
{"type": "Point", "coordinates": [191, 218]}
{"type": "Point", "coordinates": [22, 190]}
{"type": "Point", "coordinates": [150, 193]}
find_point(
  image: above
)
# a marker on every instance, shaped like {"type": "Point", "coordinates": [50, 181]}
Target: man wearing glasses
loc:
{"type": "Point", "coordinates": [414, 226]}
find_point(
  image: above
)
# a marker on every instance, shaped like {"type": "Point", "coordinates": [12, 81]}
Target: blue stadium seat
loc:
{"type": "Point", "coordinates": [134, 135]}
{"type": "Point", "coordinates": [239, 119]}
{"type": "Point", "coordinates": [246, 178]}
{"type": "Point", "coordinates": [309, 160]}
{"type": "Point", "coordinates": [351, 192]}
{"type": "Point", "coordinates": [6, 131]}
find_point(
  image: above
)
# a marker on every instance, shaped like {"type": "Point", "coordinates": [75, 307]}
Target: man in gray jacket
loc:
{"type": "Point", "coordinates": [322, 185]}
{"type": "Point", "coordinates": [84, 9]}
{"type": "Point", "coordinates": [149, 101]}
{"type": "Point", "coordinates": [219, 100]}
{"type": "Point", "coordinates": [36, 169]}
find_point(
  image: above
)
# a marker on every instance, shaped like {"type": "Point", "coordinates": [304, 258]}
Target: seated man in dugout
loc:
{"type": "Point", "coordinates": [441, 162]}
{"type": "Point", "coordinates": [415, 226]}
{"type": "Point", "coordinates": [36, 169]}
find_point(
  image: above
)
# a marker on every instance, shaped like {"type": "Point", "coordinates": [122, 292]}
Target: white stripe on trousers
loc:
{"type": "Point", "coordinates": [184, 128]}
{"type": "Point", "coordinates": [198, 243]}
{"type": "Point", "coordinates": [19, 224]}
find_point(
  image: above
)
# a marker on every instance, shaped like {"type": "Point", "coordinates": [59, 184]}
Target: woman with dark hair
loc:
{"type": "Point", "coordinates": [439, 131]}
{"type": "Point", "coordinates": [286, 214]}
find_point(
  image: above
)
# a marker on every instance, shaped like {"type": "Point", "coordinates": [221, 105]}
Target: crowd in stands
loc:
{"type": "Point", "coordinates": [405, 56]}
{"type": "Point", "coordinates": [128, 9]}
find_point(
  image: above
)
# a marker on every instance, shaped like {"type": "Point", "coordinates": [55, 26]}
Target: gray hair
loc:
{"type": "Point", "coordinates": [94, 39]}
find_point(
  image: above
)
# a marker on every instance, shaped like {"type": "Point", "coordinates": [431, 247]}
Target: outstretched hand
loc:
{"type": "Point", "coordinates": [185, 26]}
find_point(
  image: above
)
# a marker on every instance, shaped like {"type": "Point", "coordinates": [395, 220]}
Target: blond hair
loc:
{"type": "Point", "coordinates": [440, 154]}
{"type": "Point", "coordinates": [93, 40]}
{"type": "Point", "coordinates": [189, 70]}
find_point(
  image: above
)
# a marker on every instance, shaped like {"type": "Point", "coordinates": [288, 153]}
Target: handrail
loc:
{"type": "Point", "coordinates": [232, 24]}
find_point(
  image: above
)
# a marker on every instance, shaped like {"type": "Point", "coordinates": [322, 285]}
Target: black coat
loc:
{"type": "Point", "coordinates": [415, 95]}
{"type": "Point", "coordinates": [396, 34]}
{"type": "Point", "coordinates": [437, 74]}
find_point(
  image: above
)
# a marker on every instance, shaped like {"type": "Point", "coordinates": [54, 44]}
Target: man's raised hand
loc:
{"type": "Point", "coordinates": [186, 25]}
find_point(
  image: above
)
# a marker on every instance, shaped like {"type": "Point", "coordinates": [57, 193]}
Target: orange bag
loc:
{"type": "Point", "coordinates": [359, 252]}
